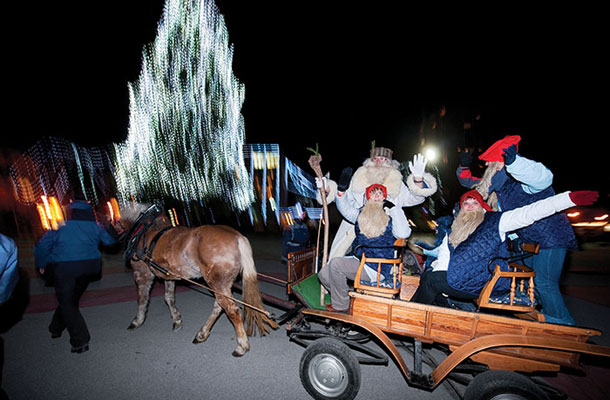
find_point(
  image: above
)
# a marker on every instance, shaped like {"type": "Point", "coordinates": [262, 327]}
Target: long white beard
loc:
{"type": "Point", "coordinates": [373, 220]}
{"type": "Point", "coordinates": [377, 173]}
{"type": "Point", "coordinates": [465, 223]}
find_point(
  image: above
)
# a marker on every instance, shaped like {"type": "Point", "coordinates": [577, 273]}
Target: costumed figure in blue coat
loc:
{"type": "Point", "coordinates": [70, 258]}
{"type": "Point", "coordinates": [511, 181]}
{"type": "Point", "coordinates": [378, 223]}
{"type": "Point", "coordinates": [477, 237]}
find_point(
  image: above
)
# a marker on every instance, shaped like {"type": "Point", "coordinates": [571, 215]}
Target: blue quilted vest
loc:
{"type": "Point", "coordinates": [551, 232]}
{"type": "Point", "coordinates": [361, 245]}
{"type": "Point", "coordinates": [469, 265]}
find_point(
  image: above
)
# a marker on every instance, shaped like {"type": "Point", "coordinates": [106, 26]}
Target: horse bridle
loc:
{"type": "Point", "coordinates": [144, 221]}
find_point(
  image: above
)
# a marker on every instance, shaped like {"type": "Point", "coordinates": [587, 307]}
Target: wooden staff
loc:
{"type": "Point", "coordinates": [314, 162]}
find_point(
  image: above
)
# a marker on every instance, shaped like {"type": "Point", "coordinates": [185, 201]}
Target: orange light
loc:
{"type": "Point", "coordinates": [601, 217]}
{"type": "Point", "coordinates": [46, 207]}
{"type": "Point", "coordinates": [573, 214]}
{"type": "Point", "coordinates": [43, 217]}
{"type": "Point", "coordinates": [56, 210]}
{"type": "Point", "coordinates": [115, 208]}
{"type": "Point", "coordinates": [110, 210]}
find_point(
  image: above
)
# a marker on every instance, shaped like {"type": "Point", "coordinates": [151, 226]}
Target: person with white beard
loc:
{"type": "Point", "coordinates": [511, 181]}
{"type": "Point", "coordinates": [379, 169]}
{"type": "Point", "coordinates": [379, 223]}
{"type": "Point", "coordinates": [477, 237]}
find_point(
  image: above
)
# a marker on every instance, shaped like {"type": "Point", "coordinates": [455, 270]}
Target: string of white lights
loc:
{"type": "Point", "coordinates": [186, 131]}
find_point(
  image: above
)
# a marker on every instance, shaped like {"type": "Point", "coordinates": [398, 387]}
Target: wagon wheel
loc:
{"type": "Point", "coordinates": [503, 385]}
{"type": "Point", "coordinates": [330, 370]}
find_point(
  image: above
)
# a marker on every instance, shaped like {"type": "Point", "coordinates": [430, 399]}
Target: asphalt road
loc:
{"type": "Point", "coordinates": [153, 362]}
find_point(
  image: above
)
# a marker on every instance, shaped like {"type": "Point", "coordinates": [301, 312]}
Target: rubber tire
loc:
{"type": "Point", "coordinates": [335, 357]}
{"type": "Point", "coordinates": [503, 385]}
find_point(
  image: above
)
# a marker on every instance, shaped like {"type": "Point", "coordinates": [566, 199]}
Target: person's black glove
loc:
{"type": "Point", "coordinates": [510, 155]}
{"type": "Point", "coordinates": [344, 179]}
{"type": "Point", "coordinates": [465, 159]}
{"type": "Point", "coordinates": [388, 204]}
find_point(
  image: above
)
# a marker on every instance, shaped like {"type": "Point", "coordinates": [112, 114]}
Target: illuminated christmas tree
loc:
{"type": "Point", "coordinates": [186, 131]}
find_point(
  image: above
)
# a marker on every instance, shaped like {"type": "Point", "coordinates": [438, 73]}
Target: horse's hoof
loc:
{"type": "Point", "coordinates": [177, 326]}
{"type": "Point", "coordinates": [239, 353]}
{"type": "Point", "coordinates": [132, 326]}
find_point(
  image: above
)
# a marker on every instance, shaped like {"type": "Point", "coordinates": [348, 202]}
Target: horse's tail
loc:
{"type": "Point", "coordinates": [252, 294]}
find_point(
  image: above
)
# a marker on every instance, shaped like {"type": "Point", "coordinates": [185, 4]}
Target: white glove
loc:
{"type": "Point", "coordinates": [319, 183]}
{"type": "Point", "coordinates": [418, 166]}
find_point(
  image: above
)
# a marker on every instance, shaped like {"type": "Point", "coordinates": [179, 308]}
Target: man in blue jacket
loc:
{"type": "Point", "coordinates": [511, 181]}
{"type": "Point", "coordinates": [71, 255]}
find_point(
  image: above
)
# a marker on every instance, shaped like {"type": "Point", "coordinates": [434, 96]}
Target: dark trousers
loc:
{"type": "Point", "coordinates": [71, 281]}
{"type": "Point", "coordinates": [432, 285]}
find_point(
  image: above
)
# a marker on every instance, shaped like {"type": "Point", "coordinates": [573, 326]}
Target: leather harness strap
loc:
{"type": "Point", "coordinates": [148, 250]}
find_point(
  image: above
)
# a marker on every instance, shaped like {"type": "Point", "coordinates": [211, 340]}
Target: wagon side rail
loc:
{"type": "Point", "coordinates": [466, 350]}
{"type": "Point", "coordinates": [506, 340]}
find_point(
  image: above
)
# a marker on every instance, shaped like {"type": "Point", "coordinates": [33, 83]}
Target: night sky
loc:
{"type": "Point", "coordinates": [339, 75]}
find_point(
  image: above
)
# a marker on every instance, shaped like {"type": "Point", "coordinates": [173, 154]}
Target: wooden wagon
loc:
{"type": "Point", "coordinates": [498, 342]}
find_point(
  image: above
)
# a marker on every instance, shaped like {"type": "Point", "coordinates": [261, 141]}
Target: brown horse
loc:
{"type": "Point", "coordinates": [215, 252]}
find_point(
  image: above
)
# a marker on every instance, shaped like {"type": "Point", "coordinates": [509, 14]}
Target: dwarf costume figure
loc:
{"type": "Point", "coordinates": [477, 238]}
{"type": "Point", "coordinates": [512, 181]}
{"type": "Point", "coordinates": [379, 169]}
{"type": "Point", "coordinates": [377, 225]}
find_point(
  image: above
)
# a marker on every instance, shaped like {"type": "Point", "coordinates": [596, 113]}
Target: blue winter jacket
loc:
{"type": "Point", "coordinates": [551, 232]}
{"type": "Point", "coordinates": [77, 240]}
{"type": "Point", "coordinates": [8, 267]}
{"type": "Point", "coordinates": [469, 265]}
{"type": "Point", "coordinates": [371, 247]}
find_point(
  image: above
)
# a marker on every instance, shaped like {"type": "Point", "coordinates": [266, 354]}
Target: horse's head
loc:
{"type": "Point", "coordinates": [137, 215]}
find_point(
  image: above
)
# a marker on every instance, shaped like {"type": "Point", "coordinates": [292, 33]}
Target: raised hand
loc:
{"type": "Point", "coordinates": [510, 154]}
{"type": "Point", "coordinates": [584, 197]}
{"type": "Point", "coordinates": [418, 166]}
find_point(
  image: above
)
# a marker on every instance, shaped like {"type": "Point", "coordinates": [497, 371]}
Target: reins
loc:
{"type": "Point", "coordinates": [166, 272]}
{"type": "Point", "coordinates": [137, 233]}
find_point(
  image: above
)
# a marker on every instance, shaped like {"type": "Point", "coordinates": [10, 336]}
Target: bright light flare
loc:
{"type": "Point", "coordinates": [431, 154]}
{"type": "Point", "coordinates": [601, 217]}
{"type": "Point", "coordinates": [573, 214]}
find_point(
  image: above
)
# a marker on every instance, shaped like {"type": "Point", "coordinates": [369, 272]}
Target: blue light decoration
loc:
{"type": "Point", "coordinates": [298, 181]}
{"type": "Point", "coordinates": [264, 173]}
{"type": "Point", "coordinates": [57, 167]}
{"type": "Point", "coordinates": [186, 130]}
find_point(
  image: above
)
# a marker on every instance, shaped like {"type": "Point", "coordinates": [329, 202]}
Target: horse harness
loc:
{"type": "Point", "coordinates": [141, 252]}
{"type": "Point", "coordinates": [136, 248]}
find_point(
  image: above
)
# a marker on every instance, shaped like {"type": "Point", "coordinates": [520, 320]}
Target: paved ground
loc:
{"type": "Point", "coordinates": [153, 362]}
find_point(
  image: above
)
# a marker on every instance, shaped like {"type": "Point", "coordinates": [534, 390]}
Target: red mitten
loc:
{"type": "Point", "coordinates": [584, 197]}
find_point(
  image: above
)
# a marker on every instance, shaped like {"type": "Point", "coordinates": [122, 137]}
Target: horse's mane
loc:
{"type": "Point", "coordinates": [132, 211]}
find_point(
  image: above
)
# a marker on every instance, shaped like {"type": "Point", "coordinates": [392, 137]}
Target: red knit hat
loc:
{"type": "Point", "coordinates": [477, 196]}
{"type": "Point", "coordinates": [376, 186]}
{"type": "Point", "coordinates": [496, 150]}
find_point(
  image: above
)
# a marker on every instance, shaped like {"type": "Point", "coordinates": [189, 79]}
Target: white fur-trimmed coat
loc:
{"type": "Point", "coordinates": [399, 193]}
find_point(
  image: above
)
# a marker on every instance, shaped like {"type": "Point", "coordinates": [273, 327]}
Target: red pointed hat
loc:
{"type": "Point", "coordinates": [475, 195]}
{"type": "Point", "coordinates": [495, 151]}
{"type": "Point", "coordinates": [376, 186]}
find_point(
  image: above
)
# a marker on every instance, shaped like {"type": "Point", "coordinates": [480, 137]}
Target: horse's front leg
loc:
{"type": "Point", "coordinates": [170, 300]}
{"type": "Point", "coordinates": [204, 332]}
{"type": "Point", "coordinates": [144, 279]}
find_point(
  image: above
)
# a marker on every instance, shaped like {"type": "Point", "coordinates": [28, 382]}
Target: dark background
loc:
{"type": "Point", "coordinates": [339, 75]}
